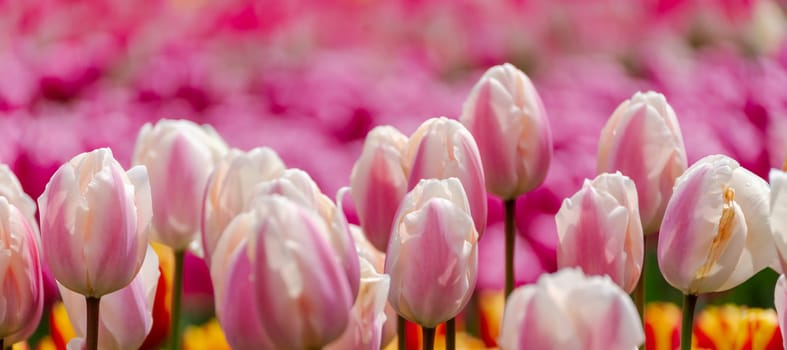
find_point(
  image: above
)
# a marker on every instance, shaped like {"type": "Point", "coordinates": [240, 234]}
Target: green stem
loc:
{"type": "Point", "coordinates": [92, 305]}
{"type": "Point", "coordinates": [177, 292]}
{"type": "Point", "coordinates": [510, 206]}
{"type": "Point", "coordinates": [450, 334]}
{"type": "Point", "coordinates": [2, 343]}
{"type": "Point", "coordinates": [689, 302]}
{"type": "Point", "coordinates": [428, 338]}
{"type": "Point", "coordinates": [401, 331]}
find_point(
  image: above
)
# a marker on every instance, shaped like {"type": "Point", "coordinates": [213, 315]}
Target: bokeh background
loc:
{"type": "Point", "coordinates": [310, 79]}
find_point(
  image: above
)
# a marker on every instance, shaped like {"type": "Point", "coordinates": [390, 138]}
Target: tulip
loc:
{"type": "Point", "coordinates": [94, 223]}
{"type": "Point", "coordinates": [442, 148]}
{"type": "Point", "coordinates": [715, 233]}
{"type": "Point", "coordinates": [301, 290]}
{"type": "Point", "coordinates": [568, 310]}
{"type": "Point", "coordinates": [507, 118]}
{"type": "Point", "coordinates": [662, 326]}
{"type": "Point", "coordinates": [778, 216]}
{"type": "Point", "coordinates": [365, 328]}
{"type": "Point", "coordinates": [21, 285]}
{"type": "Point", "coordinates": [433, 254]}
{"type": "Point", "coordinates": [378, 183]}
{"type": "Point", "coordinates": [780, 301]}
{"type": "Point", "coordinates": [600, 232]}
{"type": "Point", "coordinates": [179, 156]}
{"type": "Point", "coordinates": [642, 140]}
{"type": "Point", "coordinates": [126, 315]}
{"type": "Point", "coordinates": [231, 188]}
{"type": "Point", "coordinates": [737, 327]}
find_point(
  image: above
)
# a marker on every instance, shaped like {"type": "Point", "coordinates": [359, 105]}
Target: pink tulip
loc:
{"type": "Point", "coordinates": [297, 186]}
{"type": "Point", "coordinates": [21, 285]}
{"type": "Point", "coordinates": [365, 328]}
{"type": "Point", "coordinates": [600, 230]}
{"type": "Point", "coordinates": [126, 315]}
{"type": "Point", "coordinates": [570, 311]}
{"type": "Point", "coordinates": [642, 140]}
{"type": "Point", "coordinates": [778, 217]}
{"type": "Point", "coordinates": [233, 288]}
{"type": "Point", "coordinates": [231, 188]}
{"type": "Point", "coordinates": [505, 114]}
{"type": "Point", "coordinates": [433, 254]}
{"type": "Point", "coordinates": [442, 148]}
{"type": "Point", "coordinates": [94, 223]}
{"type": "Point", "coordinates": [179, 156]}
{"type": "Point", "coordinates": [715, 233]}
{"type": "Point", "coordinates": [378, 183]}
{"type": "Point", "coordinates": [301, 290]}
{"type": "Point", "coordinates": [780, 302]}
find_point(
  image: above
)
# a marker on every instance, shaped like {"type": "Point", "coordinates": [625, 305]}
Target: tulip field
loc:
{"type": "Point", "coordinates": [406, 174]}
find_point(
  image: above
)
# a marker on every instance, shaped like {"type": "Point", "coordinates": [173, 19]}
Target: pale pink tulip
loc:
{"type": "Point", "coordinates": [365, 328]}
{"type": "Point", "coordinates": [600, 232]}
{"type": "Point", "coordinates": [780, 302]}
{"type": "Point", "coordinates": [378, 183]}
{"type": "Point", "coordinates": [442, 148]}
{"type": "Point", "coordinates": [716, 232]}
{"type": "Point", "coordinates": [642, 140]}
{"type": "Point", "coordinates": [505, 114]}
{"type": "Point", "coordinates": [179, 156]}
{"type": "Point", "coordinates": [126, 315]}
{"type": "Point", "coordinates": [21, 284]}
{"type": "Point", "coordinates": [778, 217]}
{"type": "Point", "coordinates": [94, 223]}
{"type": "Point", "coordinates": [433, 254]}
{"type": "Point", "coordinates": [231, 188]}
{"type": "Point", "coordinates": [301, 291]}
{"type": "Point", "coordinates": [570, 311]}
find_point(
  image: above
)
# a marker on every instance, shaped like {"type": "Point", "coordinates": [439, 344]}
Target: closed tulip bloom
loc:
{"type": "Point", "coordinates": [21, 285]}
{"type": "Point", "coordinates": [233, 288]}
{"type": "Point", "coordinates": [179, 156]}
{"type": "Point", "coordinates": [642, 139]}
{"type": "Point", "coordinates": [126, 315]}
{"type": "Point", "coordinates": [231, 188]}
{"type": "Point", "coordinates": [11, 189]}
{"type": "Point", "coordinates": [568, 310]}
{"type": "Point", "coordinates": [302, 294]}
{"type": "Point", "coordinates": [433, 254]}
{"type": "Point", "coordinates": [442, 148]}
{"type": "Point", "coordinates": [507, 118]}
{"type": "Point", "coordinates": [94, 223]}
{"type": "Point", "coordinates": [778, 216]}
{"type": "Point", "coordinates": [780, 302]}
{"type": "Point", "coordinates": [365, 328]}
{"type": "Point", "coordinates": [600, 232]}
{"type": "Point", "coordinates": [378, 183]}
{"type": "Point", "coordinates": [715, 233]}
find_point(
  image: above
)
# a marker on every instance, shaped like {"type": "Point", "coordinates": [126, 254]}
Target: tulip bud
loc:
{"type": "Point", "coordinates": [780, 302]}
{"type": "Point", "coordinates": [433, 254]}
{"type": "Point", "coordinates": [715, 233]}
{"type": "Point", "coordinates": [662, 326]}
{"type": "Point", "coordinates": [378, 183]}
{"type": "Point", "coordinates": [778, 217]}
{"type": "Point", "coordinates": [302, 293]}
{"type": "Point", "coordinates": [231, 188]}
{"type": "Point", "coordinates": [94, 223]}
{"type": "Point", "coordinates": [568, 310]}
{"type": "Point", "coordinates": [179, 156]}
{"type": "Point", "coordinates": [507, 118]}
{"type": "Point", "coordinates": [442, 148]}
{"type": "Point", "coordinates": [642, 140]}
{"type": "Point", "coordinates": [126, 315]}
{"type": "Point", "coordinates": [21, 285]}
{"type": "Point", "coordinates": [600, 232]}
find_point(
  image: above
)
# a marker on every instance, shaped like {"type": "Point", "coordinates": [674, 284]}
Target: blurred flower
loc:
{"type": "Point", "coordinates": [491, 304]}
{"type": "Point", "coordinates": [662, 326]}
{"type": "Point", "coordinates": [231, 187]}
{"type": "Point", "coordinates": [600, 231]}
{"type": "Point", "coordinates": [94, 223]}
{"type": "Point", "coordinates": [126, 315]}
{"type": "Point", "coordinates": [642, 139]}
{"type": "Point", "coordinates": [507, 118]}
{"type": "Point", "coordinates": [205, 337]}
{"type": "Point", "coordinates": [177, 147]}
{"type": "Point", "coordinates": [433, 255]}
{"type": "Point", "coordinates": [378, 183]}
{"type": "Point", "coordinates": [737, 328]}
{"type": "Point", "coordinates": [442, 148]}
{"type": "Point", "coordinates": [21, 282]}
{"type": "Point", "coordinates": [301, 291]}
{"type": "Point", "coordinates": [715, 233]}
{"type": "Point", "coordinates": [568, 310]}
